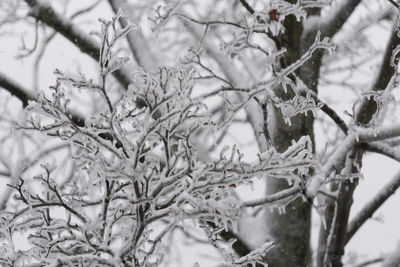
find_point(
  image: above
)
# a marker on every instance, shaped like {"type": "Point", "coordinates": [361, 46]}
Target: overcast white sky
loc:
{"type": "Point", "coordinates": [375, 236]}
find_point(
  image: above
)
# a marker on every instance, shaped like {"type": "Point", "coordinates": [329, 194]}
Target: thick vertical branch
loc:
{"type": "Point", "coordinates": [290, 231]}
{"type": "Point", "coordinates": [368, 107]}
{"type": "Point", "coordinates": [296, 40]}
{"type": "Point", "coordinates": [364, 114]}
{"type": "Point", "coordinates": [336, 239]}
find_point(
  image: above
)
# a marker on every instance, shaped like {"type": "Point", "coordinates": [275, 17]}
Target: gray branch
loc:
{"type": "Point", "coordinates": [16, 89]}
{"type": "Point", "coordinates": [372, 206]}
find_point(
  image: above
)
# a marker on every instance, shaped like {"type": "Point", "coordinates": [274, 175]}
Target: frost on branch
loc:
{"type": "Point", "coordinates": [302, 102]}
{"type": "Point", "coordinates": [254, 258]}
{"type": "Point", "coordinates": [137, 173]}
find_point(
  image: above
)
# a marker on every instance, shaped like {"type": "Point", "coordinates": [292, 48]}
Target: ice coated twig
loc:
{"type": "Point", "coordinates": [280, 196]}
{"type": "Point", "coordinates": [318, 44]}
{"type": "Point", "coordinates": [255, 256]}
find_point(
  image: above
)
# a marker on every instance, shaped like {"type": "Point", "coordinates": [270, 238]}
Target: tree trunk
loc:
{"type": "Point", "coordinates": [290, 231]}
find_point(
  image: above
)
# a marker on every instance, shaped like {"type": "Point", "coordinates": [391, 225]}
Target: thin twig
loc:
{"type": "Point", "coordinates": [291, 192]}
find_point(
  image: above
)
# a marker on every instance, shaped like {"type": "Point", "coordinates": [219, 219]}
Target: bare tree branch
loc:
{"type": "Point", "coordinates": [254, 115]}
{"type": "Point", "coordinates": [15, 89]}
{"type": "Point", "coordinates": [382, 148]}
{"type": "Point", "coordinates": [368, 210]}
{"type": "Point", "coordinates": [337, 231]}
{"type": "Point", "coordinates": [247, 6]}
{"type": "Point", "coordinates": [25, 96]}
{"type": "Point", "coordinates": [369, 262]}
{"type": "Point", "coordinates": [394, 3]}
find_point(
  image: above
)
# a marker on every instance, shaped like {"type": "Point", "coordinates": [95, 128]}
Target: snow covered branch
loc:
{"type": "Point", "coordinates": [355, 137]}
{"type": "Point", "coordinates": [283, 195]}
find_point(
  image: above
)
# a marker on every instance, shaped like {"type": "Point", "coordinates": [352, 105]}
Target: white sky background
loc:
{"type": "Point", "coordinates": [374, 238]}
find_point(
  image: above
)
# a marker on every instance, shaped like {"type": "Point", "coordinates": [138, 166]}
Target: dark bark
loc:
{"type": "Point", "coordinates": [369, 107]}
{"type": "Point", "coordinates": [16, 89]}
{"type": "Point", "coordinates": [293, 229]}
{"type": "Point", "coordinates": [336, 239]}
{"type": "Point", "coordinates": [290, 231]}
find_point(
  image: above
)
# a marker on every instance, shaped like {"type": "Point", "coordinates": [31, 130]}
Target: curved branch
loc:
{"type": "Point", "coordinates": [368, 210]}
{"type": "Point", "coordinates": [383, 149]}
{"type": "Point", "coordinates": [331, 113]}
{"type": "Point", "coordinates": [364, 115]}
